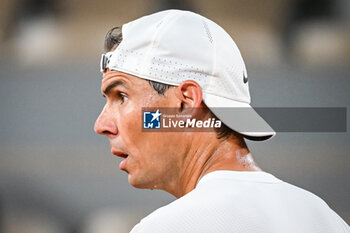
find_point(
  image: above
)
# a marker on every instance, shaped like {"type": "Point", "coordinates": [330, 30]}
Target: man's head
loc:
{"type": "Point", "coordinates": [152, 157]}
{"type": "Point", "coordinates": [115, 36]}
{"type": "Point", "coordinates": [137, 75]}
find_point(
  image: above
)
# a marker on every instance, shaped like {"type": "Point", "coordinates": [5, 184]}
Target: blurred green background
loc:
{"type": "Point", "coordinates": [57, 175]}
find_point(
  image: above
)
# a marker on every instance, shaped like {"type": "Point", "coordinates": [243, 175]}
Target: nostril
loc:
{"type": "Point", "coordinates": [106, 132]}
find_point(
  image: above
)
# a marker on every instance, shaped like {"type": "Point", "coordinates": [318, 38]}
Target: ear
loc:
{"type": "Point", "coordinates": [190, 94]}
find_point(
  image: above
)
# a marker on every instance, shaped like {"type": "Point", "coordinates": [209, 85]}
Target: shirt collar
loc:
{"type": "Point", "coordinates": [247, 176]}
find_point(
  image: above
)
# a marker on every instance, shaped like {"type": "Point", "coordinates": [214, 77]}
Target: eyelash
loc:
{"type": "Point", "coordinates": [122, 97]}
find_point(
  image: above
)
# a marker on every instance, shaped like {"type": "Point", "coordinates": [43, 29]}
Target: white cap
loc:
{"type": "Point", "coordinates": [173, 46]}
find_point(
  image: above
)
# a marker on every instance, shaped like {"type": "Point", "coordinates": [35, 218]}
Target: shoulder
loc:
{"type": "Point", "coordinates": [201, 210]}
{"type": "Point", "coordinates": [193, 212]}
{"type": "Point", "coordinates": [227, 205]}
{"type": "Point", "coordinates": [174, 217]}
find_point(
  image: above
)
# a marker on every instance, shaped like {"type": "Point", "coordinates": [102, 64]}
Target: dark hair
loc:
{"type": "Point", "coordinates": [114, 37]}
{"type": "Point", "coordinates": [225, 132]}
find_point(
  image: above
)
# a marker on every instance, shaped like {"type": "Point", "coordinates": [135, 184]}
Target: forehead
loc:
{"type": "Point", "coordinates": [121, 81]}
{"type": "Point", "coordinates": [128, 79]}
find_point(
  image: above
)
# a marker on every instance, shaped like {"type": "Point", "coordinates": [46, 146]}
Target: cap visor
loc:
{"type": "Point", "coordinates": [240, 117]}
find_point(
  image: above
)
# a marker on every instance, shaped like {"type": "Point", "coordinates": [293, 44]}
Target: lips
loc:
{"type": "Point", "coordinates": [119, 153]}
{"type": "Point", "coordinates": [122, 165]}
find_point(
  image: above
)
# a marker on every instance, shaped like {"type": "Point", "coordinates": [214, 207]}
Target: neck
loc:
{"type": "Point", "coordinates": [207, 154]}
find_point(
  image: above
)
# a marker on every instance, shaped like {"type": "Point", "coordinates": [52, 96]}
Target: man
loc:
{"type": "Point", "coordinates": [181, 60]}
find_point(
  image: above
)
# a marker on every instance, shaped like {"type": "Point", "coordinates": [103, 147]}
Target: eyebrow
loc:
{"type": "Point", "coordinates": [113, 85]}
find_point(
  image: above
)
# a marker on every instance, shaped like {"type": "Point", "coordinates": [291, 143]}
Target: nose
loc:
{"type": "Point", "coordinates": [106, 123]}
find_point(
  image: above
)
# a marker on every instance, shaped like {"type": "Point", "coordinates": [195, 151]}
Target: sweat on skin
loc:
{"type": "Point", "coordinates": [170, 161]}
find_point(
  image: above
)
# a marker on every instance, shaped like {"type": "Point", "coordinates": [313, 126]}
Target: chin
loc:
{"type": "Point", "coordinates": [140, 183]}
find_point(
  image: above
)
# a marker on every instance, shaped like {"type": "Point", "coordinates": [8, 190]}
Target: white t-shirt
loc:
{"type": "Point", "coordinates": [246, 202]}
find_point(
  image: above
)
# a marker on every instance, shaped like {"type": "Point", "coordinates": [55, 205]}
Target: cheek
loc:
{"type": "Point", "coordinates": [129, 124]}
{"type": "Point", "coordinates": [146, 149]}
{"type": "Point", "coordinates": [129, 121]}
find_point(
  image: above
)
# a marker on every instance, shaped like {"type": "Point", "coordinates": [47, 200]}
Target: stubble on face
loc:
{"type": "Point", "coordinates": [153, 158]}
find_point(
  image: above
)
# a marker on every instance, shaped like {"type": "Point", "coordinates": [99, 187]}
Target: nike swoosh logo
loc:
{"type": "Point", "coordinates": [245, 78]}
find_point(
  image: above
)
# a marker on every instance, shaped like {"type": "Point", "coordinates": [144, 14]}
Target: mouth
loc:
{"type": "Point", "coordinates": [119, 154]}
{"type": "Point", "coordinates": [122, 165]}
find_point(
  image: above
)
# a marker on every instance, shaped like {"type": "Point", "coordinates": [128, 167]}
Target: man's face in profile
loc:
{"type": "Point", "coordinates": [150, 159]}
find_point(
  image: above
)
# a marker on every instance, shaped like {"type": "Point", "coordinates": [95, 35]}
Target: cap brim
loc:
{"type": "Point", "coordinates": [240, 117]}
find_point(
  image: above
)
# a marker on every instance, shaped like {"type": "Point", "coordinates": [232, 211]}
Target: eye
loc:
{"type": "Point", "coordinates": [122, 96]}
